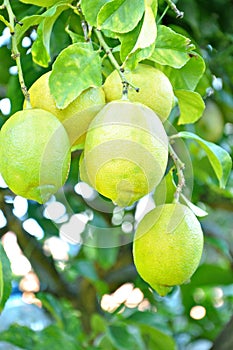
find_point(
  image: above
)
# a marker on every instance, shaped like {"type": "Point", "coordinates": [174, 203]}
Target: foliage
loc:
{"type": "Point", "coordinates": [82, 44]}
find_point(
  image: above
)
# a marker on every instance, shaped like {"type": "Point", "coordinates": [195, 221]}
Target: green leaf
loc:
{"type": "Point", "coordinates": [195, 209]}
{"type": "Point", "coordinates": [76, 38]}
{"type": "Point", "coordinates": [188, 76]}
{"type": "Point", "coordinates": [91, 8]}
{"type": "Point", "coordinates": [5, 277]}
{"type": "Point", "coordinates": [27, 22]}
{"type": "Point", "coordinates": [86, 269]}
{"type": "Point", "coordinates": [41, 46]}
{"type": "Point", "coordinates": [139, 43]}
{"type": "Point", "coordinates": [120, 16]}
{"type": "Point", "coordinates": [191, 106]}
{"type": "Point", "coordinates": [76, 68]}
{"type": "Point", "coordinates": [42, 3]}
{"type": "Point", "coordinates": [125, 337]}
{"type": "Point", "coordinates": [164, 192]}
{"type": "Point", "coordinates": [171, 48]}
{"type": "Point", "coordinates": [219, 158]}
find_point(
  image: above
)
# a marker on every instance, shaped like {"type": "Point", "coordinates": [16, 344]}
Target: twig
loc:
{"type": "Point", "coordinates": [179, 14]}
{"type": "Point", "coordinates": [179, 167]}
{"type": "Point", "coordinates": [15, 52]}
{"type": "Point", "coordinates": [114, 62]}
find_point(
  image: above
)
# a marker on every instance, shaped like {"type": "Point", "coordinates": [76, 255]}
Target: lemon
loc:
{"type": "Point", "coordinates": [76, 116]}
{"type": "Point", "coordinates": [211, 124]}
{"type": "Point", "coordinates": [34, 154]}
{"type": "Point", "coordinates": [155, 89]}
{"type": "Point", "coordinates": [126, 152]}
{"type": "Point", "coordinates": [167, 246]}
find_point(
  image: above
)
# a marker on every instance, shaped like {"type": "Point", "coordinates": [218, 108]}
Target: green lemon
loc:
{"type": "Point", "coordinates": [167, 246]}
{"type": "Point", "coordinates": [76, 116]}
{"type": "Point", "coordinates": [211, 125]}
{"type": "Point", "coordinates": [155, 89]}
{"type": "Point", "coordinates": [126, 152]}
{"type": "Point", "coordinates": [34, 154]}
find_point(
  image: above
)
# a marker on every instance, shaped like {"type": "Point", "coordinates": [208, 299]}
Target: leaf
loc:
{"type": "Point", "coordinates": [42, 3]}
{"type": "Point", "coordinates": [219, 158]}
{"type": "Point", "coordinates": [41, 46]}
{"type": "Point", "coordinates": [5, 277]}
{"type": "Point", "coordinates": [188, 76]}
{"type": "Point", "coordinates": [139, 43]}
{"type": "Point", "coordinates": [27, 22]}
{"type": "Point", "coordinates": [91, 8]}
{"type": "Point", "coordinates": [195, 209]}
{"type": "Point", "coordinates": [125, 337]}
{"type": "Point", "coordinates": [76, 68]}
{"type": "Point", "coordinates": [120, 16]}
{"type": "Point", "coordinates": [191, 106]}
{"type": "Point", "coordinates": [171, 48]}
{"type": "Point", "coordinates": [164, 192]}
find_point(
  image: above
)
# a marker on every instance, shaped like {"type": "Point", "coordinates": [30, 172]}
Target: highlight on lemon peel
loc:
{"type": "Point", "coordinates": [126, 152]}
{"type": "Point", "coordinates": [168, 246]}
{"type": "Point", "coordinates": [34, 154]}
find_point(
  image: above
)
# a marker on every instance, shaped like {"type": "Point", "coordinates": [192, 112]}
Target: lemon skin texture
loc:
{"type": "Point", "coordinates": [77, 116]}
{"type": "Point", "coordinates": [155, 89]}
{"type": "Point", "coordinates": [34, 154]}
{"type": "Point", "coordinates": [167, 246]}
{"type": "Point", "coordinates": [126, 152]}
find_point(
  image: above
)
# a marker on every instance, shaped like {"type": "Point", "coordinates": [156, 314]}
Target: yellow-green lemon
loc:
{"type": "Point", "coordinates": [76, 116]}
{"type": "Point", "coordinates": [155, 89]}
{"type": "Point", "coordinates": [211, 125]}
{"type": "Point", "coordinates": [167, 246]}
{"type": "Point", "coordinates": [126, 151]}
{"type": "Point", "coordinates": [34, 154]}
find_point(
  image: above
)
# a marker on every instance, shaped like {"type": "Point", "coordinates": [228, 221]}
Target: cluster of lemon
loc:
{"type": "Point", "coordinates": [125, 157]}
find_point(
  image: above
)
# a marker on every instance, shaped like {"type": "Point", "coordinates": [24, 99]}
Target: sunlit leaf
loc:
{"type": "Point", "coordinates": [91, 8]}
{"type": "Point", "coordinates": [195, 209]}
{"type": "Point", "coordinates": [171, 48]}
{"type": "Point", "coordinates": [77, 68]}
{"type": "Point", "coordinates": [120, 16]}
{"type": "Point", "coordinates": [219, 158]}
{"type": "Point", "coordinates": [191, 106]}
{"type": "Point", "coordinates": [41, 46]}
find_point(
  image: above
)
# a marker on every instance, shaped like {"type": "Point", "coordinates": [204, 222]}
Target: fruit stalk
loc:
{"type": "Point", "coordinates": [179, 167]}
{"type": "Point", "coordinates": [114, 62]}
{"type": "Point", "coordinates": [179, 14]}
{"type": "Point", "coordinates": [15, 52]}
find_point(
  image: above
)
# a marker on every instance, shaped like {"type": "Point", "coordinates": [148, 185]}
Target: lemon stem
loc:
{"type": "Point", "coordinates": [179, 14]}
{"type": "Point", "coordinates": [15, 52]}
{"type": "Point", "coordinates": [179, 167]}
{"type": "Point", "coordinates": [114, 62]}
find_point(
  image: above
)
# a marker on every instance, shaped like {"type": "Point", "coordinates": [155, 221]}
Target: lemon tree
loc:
{"type": "Point", "coordinates": [34, 154]}
{"type": "Point", "coordinates": [168, 246]}
{"type": "Point", "coordinates": [113, 93]}
{"type": "Point", "coordinates": [125, 152]}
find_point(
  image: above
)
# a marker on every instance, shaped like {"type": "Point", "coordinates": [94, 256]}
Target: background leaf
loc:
{"type": "Point", "coordinates": [5, 277]}
{"type": "Point", "coordinates": [218, 157]}
{"type": "Point", "coordinates": [77, 68]}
